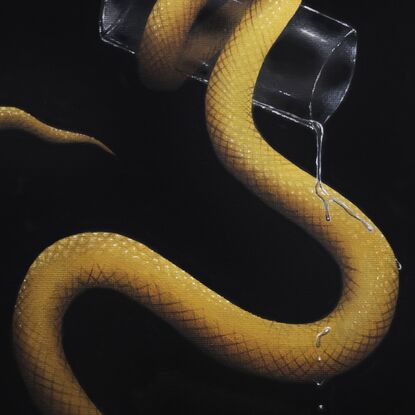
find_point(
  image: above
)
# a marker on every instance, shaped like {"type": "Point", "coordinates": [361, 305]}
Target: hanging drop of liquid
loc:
{"type": "Point", "coordinates": [320, 190]}
{"type": "Point", "coordinates": [321, 408]}
{"type": "Point", "coordinates": [320, 383]}
{"type": "Point", "coordinates": [324, 332]}
{"type": "Point", "coordinates": [399, 265]}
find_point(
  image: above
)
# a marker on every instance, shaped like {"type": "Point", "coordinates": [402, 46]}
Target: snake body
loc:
{"type": "Point", "coordinates": [16, 118]}
{"type": "Point", "coordinates": [296, 352]}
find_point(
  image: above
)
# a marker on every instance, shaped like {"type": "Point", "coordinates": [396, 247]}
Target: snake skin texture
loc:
{"type": "Point", "coordinates": [293, 352]}
{"type": "Point", "coordinates": [15, 118]}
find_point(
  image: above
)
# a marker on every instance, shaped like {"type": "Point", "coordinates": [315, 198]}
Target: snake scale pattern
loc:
{"type": "Point", "coordinates": [294, 352]}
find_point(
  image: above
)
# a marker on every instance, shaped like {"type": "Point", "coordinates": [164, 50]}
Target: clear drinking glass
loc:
{"type": "Point", "coordinates": [305, 76]}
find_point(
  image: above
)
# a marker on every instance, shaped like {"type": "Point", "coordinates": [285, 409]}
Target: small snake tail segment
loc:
{"type": "Point", "coordinates": [15, 118]}
{"type": "Point", "coordinates": [292, 352]}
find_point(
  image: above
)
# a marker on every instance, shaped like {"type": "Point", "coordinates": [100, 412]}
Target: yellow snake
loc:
{"type": "Point", "coordinates": [295, 352]}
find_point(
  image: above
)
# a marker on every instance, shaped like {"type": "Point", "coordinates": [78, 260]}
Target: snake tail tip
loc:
{"type": "Point", "coordinates": [84, 139]}
{"type": "Point", "coordinates": [107, 149]}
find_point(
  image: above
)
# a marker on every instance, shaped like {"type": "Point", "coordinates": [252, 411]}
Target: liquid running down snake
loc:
{"type": "Point", "coordinates": [292, 352]}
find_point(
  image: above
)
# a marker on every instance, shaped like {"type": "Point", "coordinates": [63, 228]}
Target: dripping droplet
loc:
{"type": "Point", "coordinates": [320, 190]}
{"type": "Point", "coordinates": [321, 408]}
{"type": "Point", "coordinates": [320, 383]}
{"type": "Point", "coordinates": [324, 332]}
{"type": "Point", "coordinates": [399, 265]}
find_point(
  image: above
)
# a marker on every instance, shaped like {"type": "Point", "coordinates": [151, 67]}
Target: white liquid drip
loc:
{"type": "Point", "coordinates": [320, 190]}
{"type": "Point", "coordinates": [324, 332]}
{"type": "Point", "coordinates": [399, 265]}
{"type": "Point", "coordinates": [320, 382]}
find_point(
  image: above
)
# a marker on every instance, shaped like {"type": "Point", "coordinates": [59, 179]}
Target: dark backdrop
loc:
{"type": "Point", "coordinates": [168, 190]}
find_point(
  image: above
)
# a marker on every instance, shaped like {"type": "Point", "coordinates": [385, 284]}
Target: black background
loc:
{"type": "Point", "coordinates": [167, 190]}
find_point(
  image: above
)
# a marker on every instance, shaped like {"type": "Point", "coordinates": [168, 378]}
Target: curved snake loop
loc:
{"type": "Point", "coordinates": [296, 352]}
